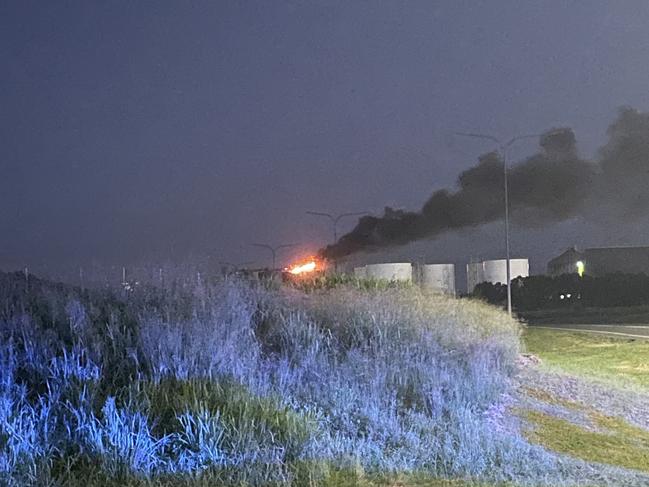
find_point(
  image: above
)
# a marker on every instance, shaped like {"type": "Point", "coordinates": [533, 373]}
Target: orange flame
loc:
{"type": "Point", "coordinates": [310, 265]}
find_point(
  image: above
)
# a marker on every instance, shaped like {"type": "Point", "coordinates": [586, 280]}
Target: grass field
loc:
{"type": "Point", "coordinates": [237, 383]}
{"type": "Point", "coordinates": [615, 360]}
{"type": "Point", "coordinates": [597, 421]}
{"type": "Point", "coordinates": [252, 383]}
{"type": "Point", "coordinates": [617, 315]}
{"type": "Point", "coordinates": [607, 439]}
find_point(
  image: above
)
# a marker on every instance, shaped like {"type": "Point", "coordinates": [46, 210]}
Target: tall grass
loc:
{"type": "Point", "coordinates": [249, 385]}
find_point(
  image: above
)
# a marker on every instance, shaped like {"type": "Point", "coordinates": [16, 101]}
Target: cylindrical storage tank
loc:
{"type": "Point", "coordinates": [360, 272]}
{"type": "Point", "coordinates": [438, 277]}
{"type": "Point", "coordinates": [519, 268]}
{"type": "Point", "coordinates": [495, 271]}
{"type": "Point", "coordinates": [474, 275]}
{"type": "Point", "coordinates": [398, 271]}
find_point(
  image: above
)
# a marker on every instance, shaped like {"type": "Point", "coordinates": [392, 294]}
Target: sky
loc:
{"type": "Point", "coordinates": [141, 131]}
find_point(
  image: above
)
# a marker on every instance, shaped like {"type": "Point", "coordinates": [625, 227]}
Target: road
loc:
{"type": "Point", "coordinates": [640, 331]}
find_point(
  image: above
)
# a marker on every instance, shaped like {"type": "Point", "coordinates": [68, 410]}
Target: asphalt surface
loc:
{"type": "Point", "coordinates": [640, 331]}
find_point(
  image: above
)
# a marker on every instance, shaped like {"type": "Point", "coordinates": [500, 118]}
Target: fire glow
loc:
{"type": "Point", "coordinates": [303, 268]}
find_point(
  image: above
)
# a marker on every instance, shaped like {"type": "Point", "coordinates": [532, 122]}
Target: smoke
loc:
{"type": "Point", "coordinates": [621, 191]}
{"type": "Point", "coordinates": [551, 186]}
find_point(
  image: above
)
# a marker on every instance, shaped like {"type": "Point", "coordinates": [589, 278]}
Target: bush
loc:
{"type": "Point", "coordinates": [243, 384]}
{"type": "Point", "coordinates": [569, 290]}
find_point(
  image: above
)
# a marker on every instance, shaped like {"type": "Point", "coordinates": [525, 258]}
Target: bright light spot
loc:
{"type": "Point", "coordinates": [300, 269]}
{"type": "Point", "coordinates": [562, 297]}
{"type": "Point", "coordinates": [580, 268]}
{"type": "Point", "coordinates": [568, 295]}
{"type": "Point", "coordinates": [307, 266]}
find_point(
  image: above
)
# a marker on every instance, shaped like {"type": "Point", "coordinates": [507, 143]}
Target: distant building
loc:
{"type": "Point", "coordinates": [600, 261]}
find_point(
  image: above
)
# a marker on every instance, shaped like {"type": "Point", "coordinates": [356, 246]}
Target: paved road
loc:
{"type": "Point", "coordinates": [640, 331]}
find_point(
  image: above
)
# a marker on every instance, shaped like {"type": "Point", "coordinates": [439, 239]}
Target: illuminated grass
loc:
{"type": "Point", "coordinates": [548, 398]}
{"type": "Point", "coordinates": [615, 360]}
{"type": "Point", "coordinates": [614, 442]}
{"type": "Point", "coordinates": [332, 478]}
{"type": "Point", "coordinates": [232, 384]}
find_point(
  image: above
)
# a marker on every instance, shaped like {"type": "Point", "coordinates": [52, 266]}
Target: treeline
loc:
{"type": "Point", "coordinates": [569, 290]}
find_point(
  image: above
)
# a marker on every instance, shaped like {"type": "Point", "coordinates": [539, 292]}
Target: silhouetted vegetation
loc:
{"type": "Point", "coordinates": [569, 291]}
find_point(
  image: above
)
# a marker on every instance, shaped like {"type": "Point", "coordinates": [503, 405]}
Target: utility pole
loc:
{"type": "Point", "coordinates": [502, 148]}
{"type": "Point", "coordinates": [336, 218]}
{"type": "Point", "coordinates": [334, 223]}
{"type": "Point", "coordinates": [274, 249]}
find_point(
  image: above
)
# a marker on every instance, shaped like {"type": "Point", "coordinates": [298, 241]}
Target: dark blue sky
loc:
{"type": "Point", "coordinates": [139, 130]}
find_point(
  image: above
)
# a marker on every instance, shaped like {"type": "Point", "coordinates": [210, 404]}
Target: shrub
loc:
{"type": "Point", "coordinates": [247, 385]}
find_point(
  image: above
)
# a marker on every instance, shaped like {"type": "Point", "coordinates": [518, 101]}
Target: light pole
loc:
{"type": "Point", "coordinates": [334, 221]}
{"type": "Point", "coordinates": [274, 249]}
{"type": "Point", "coordinates": [502, 149]}
{"type": "Point", "coordinates": [336, 218]}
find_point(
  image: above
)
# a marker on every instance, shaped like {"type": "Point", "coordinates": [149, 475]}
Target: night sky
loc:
{"type": "Point", "coordinates": [140, 131]}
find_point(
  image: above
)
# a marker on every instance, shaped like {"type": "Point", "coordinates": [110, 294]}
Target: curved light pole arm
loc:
{"type": "Point", "coordinates": [355, 213]}
{"type": "Point", "coordinates": [273, 250]}
{"type": "Point", "coordinates": [336, 218]}
{"type": "Point", "coordinates": [503, 154]}
{"type": "Point", "coordinates": [520, 137]}
{"type": "Point", "coordinates": [344, 215]}
{"type": "Point", "coordinates": [319, 213]}
{"type": "Point", "coordinates": [480, 136]}
{"type": "Point", "coordinates": [285, 246]}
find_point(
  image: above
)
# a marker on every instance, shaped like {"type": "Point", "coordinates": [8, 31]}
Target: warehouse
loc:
{"type": "Point", "coordinates": [600, 261]}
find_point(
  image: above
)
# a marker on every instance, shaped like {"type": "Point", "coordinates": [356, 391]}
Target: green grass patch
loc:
{"type": "Point", "coordinates": [546, 397]}
{"type": "Point", "coordinates": [332, 477]}
{"type": "Point", "coordinates": [619, 361]}
{"type": "Point", "coordinates": [604, 316]}
{"type": "Point", "coordinates": [614, 442]}
{"type": "Point", "coordinates": [240, 412]}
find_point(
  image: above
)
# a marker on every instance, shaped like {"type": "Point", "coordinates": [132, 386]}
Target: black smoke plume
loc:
{"type": "Point", "coordinates": [553, 185]}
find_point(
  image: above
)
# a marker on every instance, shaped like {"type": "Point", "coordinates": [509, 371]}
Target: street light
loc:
{"type": "Point", "coordinates": [336, 218]}
{"type": "Point", "coordinates": [502, 149]}
{"type": "Point", "coordinates": [273, 249]}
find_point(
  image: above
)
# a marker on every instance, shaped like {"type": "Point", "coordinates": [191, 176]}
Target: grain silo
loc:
{"type": "Point", "coordinates": [474, 275]}
{"type": "Point", "coordinates": [438, 277]}
{"type": "Point", "coordinates": [397, 271]}
{"type": "Point", "coordinates": [495, 271]}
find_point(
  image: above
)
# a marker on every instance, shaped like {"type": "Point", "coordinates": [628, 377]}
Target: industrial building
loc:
{"type": "Point", "coordinates": [495, 271]}
{"type": "Point", "coordinates": [600, 261]}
